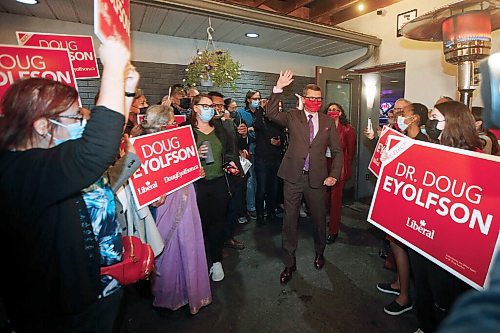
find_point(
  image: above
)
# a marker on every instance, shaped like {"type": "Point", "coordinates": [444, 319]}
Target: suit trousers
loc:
{"type": "Point", "coordinates": [315, 199]}
{"type": "Point", "coordinates": [336, 207]}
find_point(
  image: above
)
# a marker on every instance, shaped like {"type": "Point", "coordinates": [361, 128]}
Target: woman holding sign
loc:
{"type": "Point", "coordinates": [181, 275]}
{"type": "Point", "coordinates": [450, 124]}
{"type": "Point", "coordinates": [47, 156]}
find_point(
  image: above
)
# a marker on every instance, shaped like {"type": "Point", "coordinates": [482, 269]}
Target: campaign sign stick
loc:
{"type": "Point", "coordinates": [169, 161]}
{"type": "Point", "coordinates": [22, 62]}
{"type": "Point", "coordinates": [375, 162]}
{"type": "Point", "coordinates": [81, 50]}
{"type": "Point", "coordinates": [443, 203]}
{"type": "Point", "coordinates": [112, 19]}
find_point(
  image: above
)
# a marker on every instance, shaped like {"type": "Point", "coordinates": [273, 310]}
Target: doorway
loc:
{"type": "Point", "coordinates": [344, 87]}
{"type": "Point", "coordinates": [347, 89]}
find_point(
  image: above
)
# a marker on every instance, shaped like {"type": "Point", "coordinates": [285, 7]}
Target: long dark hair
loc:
{"type": "Point", "coordinates": [459, 130]}
{"type": "Point", "coordinates": [193, 120]}
{"type": "Point", "coordinates": [342, 118]}
{"type": "Point", "coordinates": [25, 102]}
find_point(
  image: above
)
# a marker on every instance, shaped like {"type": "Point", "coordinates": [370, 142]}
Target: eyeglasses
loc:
{"type": "Point", "coordinates": [310, 98]}
{"type": "Point", "coordinates": [206, 106]}
{"type": "Point", "coordinates": [78, 117]}
{"type": "Point", "coordinates": [218, 105]}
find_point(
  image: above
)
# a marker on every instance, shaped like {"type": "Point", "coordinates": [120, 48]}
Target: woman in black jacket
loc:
{"type": "Point", "coordinates": [213, 191]}
{"type": "Point", "coordinates": [47, 156]}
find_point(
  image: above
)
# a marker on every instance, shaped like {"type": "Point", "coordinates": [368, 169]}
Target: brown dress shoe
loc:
{"type": "Point", "coordinates": [319, 261]}
{"type": "Point", "coordinates": [234, 244]}
{"type": "Point", "coordinates": [286, 275]}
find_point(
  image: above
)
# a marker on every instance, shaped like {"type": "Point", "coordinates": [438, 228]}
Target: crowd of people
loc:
{"type": "Point", "coordinates": [452, 124]}
{"type": "Point", "coordinates": [66, 198]}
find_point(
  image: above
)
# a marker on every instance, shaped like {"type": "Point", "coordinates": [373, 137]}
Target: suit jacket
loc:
{"type": "Point", "coordinates": [299, 146]}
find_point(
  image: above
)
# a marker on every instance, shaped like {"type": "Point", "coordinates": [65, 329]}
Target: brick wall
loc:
{"type": "Point", "coordinates": [156, 78]}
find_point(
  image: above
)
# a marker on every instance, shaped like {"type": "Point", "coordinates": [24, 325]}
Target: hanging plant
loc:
{"type": "Point", "coordinates": [213, 66]}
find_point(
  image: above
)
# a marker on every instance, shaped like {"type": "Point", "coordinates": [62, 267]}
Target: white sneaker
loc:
{"type": "Point", "coordinates": [419, 331]}
{"type": "Point", "coordinates": [242, 220]}
{"type": "Point", "coordinates": [217, 272]}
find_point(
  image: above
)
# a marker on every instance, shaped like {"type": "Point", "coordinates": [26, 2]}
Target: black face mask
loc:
{"type": "Point", "coordinates": [431, 129]}
{"type": "Point", "coordinates": [143, 110]}
{"type": "Point", "coordinates": [185, 103]}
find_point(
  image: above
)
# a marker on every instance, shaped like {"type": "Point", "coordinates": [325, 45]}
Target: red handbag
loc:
{"type": "Point", "coordinates": [137, 262]}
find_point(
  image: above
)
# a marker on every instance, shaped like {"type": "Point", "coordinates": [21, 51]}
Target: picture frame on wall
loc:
{"type": "Point", "coordinates": [404, 18]}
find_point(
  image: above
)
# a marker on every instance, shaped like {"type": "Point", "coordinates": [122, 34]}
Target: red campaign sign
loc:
{"type": "Point", "coordinates": [112, 19]}
{"type": "Point", "coordinates": [446, 206]}
{"type": "Point", "coordinates": [140, 118]}
{"type": "Point", "coordinates": [180, 118]}
{"type": "Point", "coordinates": [21, 62]}
{"type": "Point", "coordinates": [376, 162]}
{"type": "Point", "coordinates": [169, 161]}
{"type": "Point", "coordinates": [81, 50]}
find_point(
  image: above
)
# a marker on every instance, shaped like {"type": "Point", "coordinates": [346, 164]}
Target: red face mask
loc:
{"type": "Point", "coordinates": [333, 114]}
{"type": "Point", "coordinates": [312, 106]}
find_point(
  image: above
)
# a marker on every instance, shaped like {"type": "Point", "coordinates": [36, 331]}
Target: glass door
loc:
{"type": "Point", "coordinates": [344, 87]}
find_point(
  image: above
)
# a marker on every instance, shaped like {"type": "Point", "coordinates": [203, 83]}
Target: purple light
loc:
{"type": "Point", "coordinates": [387, 92]}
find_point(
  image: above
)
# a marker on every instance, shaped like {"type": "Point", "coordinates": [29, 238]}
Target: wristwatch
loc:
{"type": "Point", "coordinates": [129, 94]}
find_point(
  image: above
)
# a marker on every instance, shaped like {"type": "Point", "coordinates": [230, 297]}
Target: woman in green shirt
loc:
{"type": "Point", "coordinates": [213, 191]}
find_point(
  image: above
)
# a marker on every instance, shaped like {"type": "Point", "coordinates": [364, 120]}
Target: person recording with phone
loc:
{"type": "Point", "coordinates": [269, 138]}
{"type": "Point", "coordinates": [218, 154]}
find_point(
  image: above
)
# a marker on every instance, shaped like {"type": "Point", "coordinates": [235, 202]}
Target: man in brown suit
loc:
{"type": "Point", "coordinates": [303, 168]}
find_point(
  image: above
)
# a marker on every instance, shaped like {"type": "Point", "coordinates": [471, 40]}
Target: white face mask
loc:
{"type": "Point", "coordinates": [401, 123]}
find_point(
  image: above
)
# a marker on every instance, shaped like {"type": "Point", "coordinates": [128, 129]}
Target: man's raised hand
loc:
{"type": "Point", "coordinates": [285, 79]}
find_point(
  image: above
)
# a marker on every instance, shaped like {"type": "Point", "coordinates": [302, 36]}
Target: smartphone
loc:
{"type": "Point", "coordinates": [230, 169]}
{"type": "Point", "coordinates": [370, 125]}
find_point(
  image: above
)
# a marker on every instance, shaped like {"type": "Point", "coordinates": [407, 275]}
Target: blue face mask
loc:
{"type": "Point", "coordinates": [255, 104]}
{"type": "Point", "coordinates": [75, 131]}
{"type": "Point", "coordinates": [207, 114]}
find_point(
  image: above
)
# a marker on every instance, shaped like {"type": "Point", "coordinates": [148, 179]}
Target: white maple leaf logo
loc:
{"type": "Point", "coordinates": [148, 183]}
{"type": "Point", "coordinates": [422, 223]}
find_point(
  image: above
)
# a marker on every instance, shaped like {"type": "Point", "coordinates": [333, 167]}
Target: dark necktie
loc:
{"type": "Point", "coordinates": [311, 137]}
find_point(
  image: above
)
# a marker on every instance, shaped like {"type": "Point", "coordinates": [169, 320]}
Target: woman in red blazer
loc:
{"type": "Point", "coordinates": [347, 140]}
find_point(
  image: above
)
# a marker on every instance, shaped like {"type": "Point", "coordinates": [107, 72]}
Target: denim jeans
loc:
{"type": "Point", "coordinates": [267, 186]}
{"type": "Point", "coordinates": [251, 186]}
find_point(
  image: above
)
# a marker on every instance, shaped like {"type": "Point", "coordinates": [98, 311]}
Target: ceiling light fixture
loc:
{"type": "Point", "coordinates": [28, 2]}
{"type": "Point", "coordinates": [361, 7]}
{"type": "Point", "coordinates": [394, 81]}
{"type": "Point", "coordinates": [252, 35]}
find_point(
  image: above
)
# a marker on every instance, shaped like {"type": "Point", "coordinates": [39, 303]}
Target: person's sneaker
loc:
{"type": "Point", "coordinates": [395, 309]}
{"type": "Point", "coordinates": [252, 214]}
{"type": "Point", "coordinates": [419, 331]}
{"type": "Point", "coordinates": [242, 220]}
{"type": "Point", "coordinates": [386, 288]}
{"type": "Point", "coordinates": [217, 272]}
